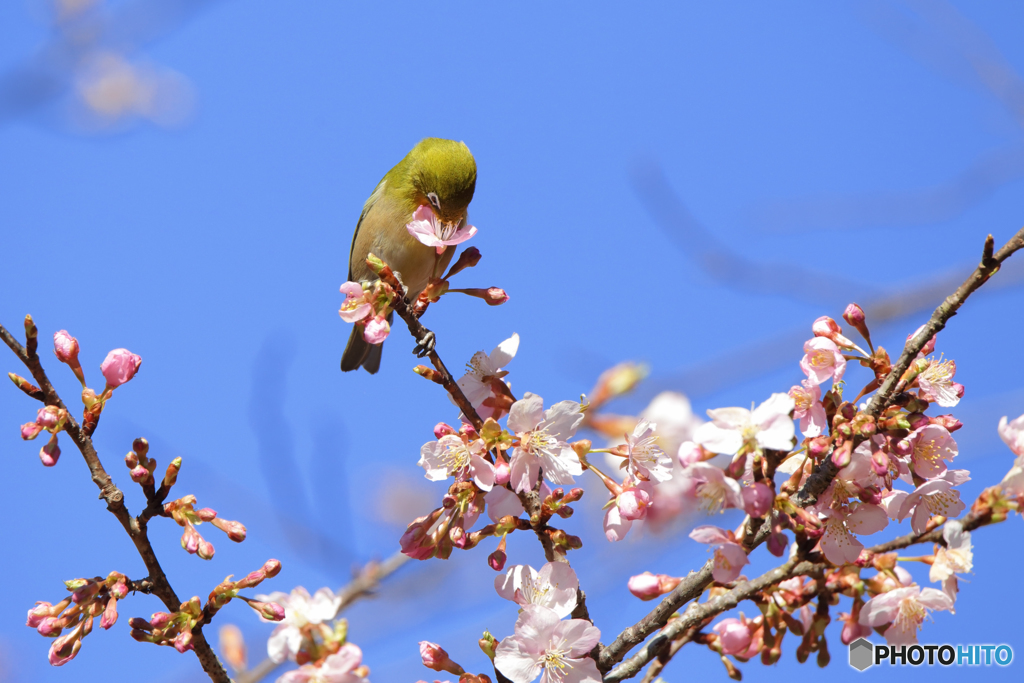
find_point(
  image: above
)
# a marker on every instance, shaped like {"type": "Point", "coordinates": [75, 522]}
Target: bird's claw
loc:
{"type": "Point", "coordinates": [425, 344]}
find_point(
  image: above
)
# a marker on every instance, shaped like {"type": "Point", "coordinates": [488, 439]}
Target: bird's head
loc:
{"type": "Point", "coordinates": [442, 174]}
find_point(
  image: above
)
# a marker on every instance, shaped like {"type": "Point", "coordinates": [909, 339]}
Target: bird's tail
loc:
{"type": "Point", "coordinates": [360, 353]}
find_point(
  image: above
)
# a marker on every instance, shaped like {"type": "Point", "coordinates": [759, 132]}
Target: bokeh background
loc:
{"type": "Point", "coordinates": [685, 184]}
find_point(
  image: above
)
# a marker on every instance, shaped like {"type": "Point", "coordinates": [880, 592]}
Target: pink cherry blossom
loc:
{"type": "Point", "coordinates": [502, 502]}
{"type": "Point", "coordinates": [484, 368]}
{"type": "Point", "coordinates": [119, 367]}
{"type": "Point", "coordinates": [337, 668]}
{"type": "Point", "coordinates": [451, 456]}
{"type": "Point", "coordinates": [733, 635]}
{"type": "Point", "coordinates": [376, 329]}
{"type": "Point", "coordinates": [905, 609]}
{"type": "Point", "coordinates": [937, 383]}
{"type": "Point", "coordinates": [543, 645]}
{"type": "Point", "coordinates": [934, 497]}
{"type": "Point", "coordinates": [729, 558]}
{"type": "Point", "coordinates": [732, 429]}
{"type": "Point", "coordinates": [822, 361]}
{"type": "Point", "coordinates": [709, 486]}
{"type": "Point", "coordinates": [1012, 434]}
{"type": "Point", "coordinates": [301, 611]}
{"type": "Point", "coordinates": [430, 230]}
{"type": "Point", "coordinates": [932, 445]}
{"type": "Point", "coordinates": [808, 409]}
{"type": "Point", "coordinates": [672, 413]}
{"type": "Point", "coordinates": [955, 558]}
{"type": "Point", "coordinates": [555, 586]}
{"type": "Point", "coordinates": [541, 438]}
{"type": "Point", "coordinates": [838, 543]}
{"type": "Point", "coordinates": [852, 628]}
{"type": "Point", "coordinates": [631, 504]}
{"type": "Point", "coordinates": [355, 307]}
{"type": "Point", "coordinates": [644, 459]}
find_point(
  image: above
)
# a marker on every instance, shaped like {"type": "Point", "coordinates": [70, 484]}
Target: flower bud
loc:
{"type": "Point", "coordinates": [38, 613]}
{"type": "Point", "coordinates": [948, 421]}
{"type": "Point", "coordinates": [648, 586]}
{"type": "Point", "coordinates": [777, 543]}
{"type": "Point", "coordinates": [30, 389]}
{"type": "Point", "coordinates": [50, 453]}
{"type": "Point", "coordinates": [109, 614]}
{"type": "Point", "coordinates": [140, 446]}
{"type": "Point", "coordinates": [30, 430]}
{"type": "Point", "coordinates": [496, 560]}
{"type": "Point", "coordinates": [818, 446]}
{"type": "Point", "coordinates": [826, 327]}
{"type": "Point", "coordinates": [929, 345]}
{"type": "Point", "coordinates": [467, 259]}
{"type": "Point", "coordinates": [271, 611]}
{"type": "Point", "coordinates": [271, 568]}
{"type": "Point", "coordinates": [119, 367]}
{"type": "Point", "coordinates": [159, 620]}
{"type": "Point", "coordinates": [435, 658]}
{"type": "Point", "coordinates": [854, 315]}
{"type": "Point", "coordinates": [502, 472]}
{"type": "Point", "coordinates": [232, 646]}
{"type": "Point", "coordinates": [205, 550]}
{"type": "Point", "coordinates": [733, 636]}
{"type": "Point", "coordinates": [488, 644]}
{"type": "Point", "coordinates": [617, 381]}
{"type": "Point", "coordinates": [65, 347]}
{"type": "Point", "coordinates": [757, 499]}
{"type": "Point", "coordinates": [50, 627]}
{"type": "Point", "coordinates": [65, 648]}
{"type": "Point", "coordinates": [119, 590]}
{"type": "Point", "coordinates": [139, 474]}
{"type": "Point", "coordinates": [234, 530]}
{"type": "Point", "coordinates": [183, 641]}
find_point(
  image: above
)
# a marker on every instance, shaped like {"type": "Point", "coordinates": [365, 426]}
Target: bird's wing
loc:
{"type": "Point", "coordinates": [378, 192]}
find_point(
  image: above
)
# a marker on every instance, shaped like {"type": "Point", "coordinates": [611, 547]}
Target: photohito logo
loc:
{"type": "Point", "coordinates": [863, 654]}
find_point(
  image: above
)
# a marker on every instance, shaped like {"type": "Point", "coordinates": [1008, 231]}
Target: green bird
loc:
{"type": "Point", "coordinates": [440, 174]}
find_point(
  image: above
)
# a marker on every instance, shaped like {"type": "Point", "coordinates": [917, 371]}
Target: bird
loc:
{"type": "Point", "coordinates": [437, 173]}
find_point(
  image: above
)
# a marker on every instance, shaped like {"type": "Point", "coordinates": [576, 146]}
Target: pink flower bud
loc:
{"type": "Point", "coordinates": [109, 614]}
{"type": "Point", "coordinates": [689, 454]}
{"type": "Point", "coordinates": [183, 641]}
{"type": "Point", "coordinates": [119, 590]}
{"type": "Point", "coordinates": [271, 568]}
{"type": "Point", "coordinates": [65, 347]}
{"type": "Point", "coordinates": [854, 315]}
{"type": "Point", "coordinates": [777, 543]}
{"type": "Point", "coordinates": [160, 620]}
{"type": "Point", "coordinates": [757, 499]}
{"type": "Point", "coordinates": [435, 658]}
{"type": "Point", "coordinates": [119, 367]}
{"type": "Point", "coordinates": [48, 417]}
{"type": "Point", "coordinates": [495, 296]}
{"type": "Point", "coordinates": [648, 586]}
{"type": "Point", "coordinates": [502, 473]}
{"type": "Point", "coordinates": [271, 611]}
{"type": "Point", "coordinates": [234, 530]}
{"type": "Point", "coordinates": [38, 613]}
{"type": "Point", "coordinates": [880, 462]}
{"type": "Point", "coordinates": [826, 327]}
{"type": "Point", "coordinates": [496, 560]}
{"type": "Point", "coordinates": [443, 429]}
{"type": "Point", "coordinates": [65, 648]}
{"type": "Point", "coordinates": [948, 421]}
{"type": "Point", "coordinates": [929, 346]}
{"type": "Point", "coordinates": [733, 635]}
{"type": "Point", "coordinates": [206, 514]}
{"type": "Point", "coordinates": [50, 453]}
{"type": "Point", "coordinates": [633, 504]}
{"type": "Point", "coordinates": [376, 330]}
{"type": "Point", "coordinates": [205, 550]}
{"type": "Point", "coordinates": [139, 474]}
{"type": "Point", "coordinates": [30, 430]}
{"type": "Point", "coordinates": [50, 627]}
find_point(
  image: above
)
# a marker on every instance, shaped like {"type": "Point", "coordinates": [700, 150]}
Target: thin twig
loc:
{"type": "Point", "coordinates": [114, 498]}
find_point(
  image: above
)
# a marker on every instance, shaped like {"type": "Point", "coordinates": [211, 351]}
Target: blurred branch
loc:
{"type": "Point", "coordinates": [363, 585]}
{"type": "Point", "coordinates": [114, 498]}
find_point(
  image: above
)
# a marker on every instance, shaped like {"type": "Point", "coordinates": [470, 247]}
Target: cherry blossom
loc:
{"type": "Point", "coordinates": [710, 487]}
{"type": "Point", "coordinates": [541, 441]}
{"type": "Point", "coordinates": [808, 409]}
{"type": "Point", "coordinates": [729, 558]}
{"type": "Point", "coordinates": [355, 307]}
{"type": "Point", "coordinates": [936, 382]}
{"type": "Point", "coordinates": [482, 370]}
{"type": "Point", "coordinates": [932, 444]}
{"type": "Point", "coordinates": [430, 230]}
{"type": "Point", "coordinates": [934, 497]}
{"type": "Point", "coordinates": [644, 459]}
{"type": "Point", "coordinates": [838, 543]}
{"type": "Point", "coordinates": [451, 456]}
{"type": "Point", "coordinates": [300, 611]}
{"type": "Point", "coordinates": [501, 502]}
{"type": "Point", "coordinates": [543, 645]}
{"type": "Point", "coordinates": [1012, 434]}
{"type": "Point", "coordinates": [341, 667]}
{"type": "Point", "coordinates": [822, 361]}
{"type": "Point", "coordinates": [674, 417]}
{"type": "Point", "coordinates": [955, 558]}
{"type": "Point", "coordinates": [554, 586]}
{"type": "Point", "coordinates": [905, 609]}
{"type": "Point", "coordinates": [734, 429]}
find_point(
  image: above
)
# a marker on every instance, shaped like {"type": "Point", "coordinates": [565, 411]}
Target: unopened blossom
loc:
{"type": "Point", "coordinates": [757, 499]}
{"type": "Point", "coordinates": [838, 543]}
{"type": "Point", "coordinates": [50, 453]}
{"type": "Point", "coordinates": [955, 558]}
{"type": "Point", "coordinates": [644, 458]}
{"type": "Point", "coordinates": [65, 347]}
{"type": "Point", "coordinates": [119, 367]}
{"type": "Point", "coordinates": [905, 609]}
{"type": "Point", "coordinates": [430, 230]}
{"type": "Point", "coordinates": [483, 369]}
{"type": "Point", "coordinates": [929, 345]}
{"type": "Point", "coordinates": [932, 445]}
{"type": "Point", "coordinates": [733, 635]}
{"type": "Point", "coordinates": [545, 646]}
{"type": "Point", "coordinates": [344, 666]}
{"type": "Point", "coordinates": [450, 456]}
{"type": "Point", "coordinates": [301, 610]}
{"type": "Point", "coordinates": [435, 658]}
{"type": "Point", "coordinates": [356, 305]}
{"type": "Point", "coordinates": [934, 497]}
{"type": "Point", "coordinates": [852, 628]}
{"type": "Point", "coordinates": [648, 586]}
{"type": "Point", "coordinates": [630, 505]}
{"type": "Point", "coordinates": [808, 409]}
{"type": "Point", "coordinates": [936, 382]}
{"type": "Point", "coordinates": [822, 361]}
{"type": "Point", "coordinates": [710, 487]}
{"type": "Point", "coordinates": [376, 329]}
{"type": "Point", "coordinates": [767, 426]}
{"type": "Point", "coordinates": [729, 557]}
{"type": "Point", "coordinates": [542, 442]}
{"type": "Point", "coordinates": [555, 586]}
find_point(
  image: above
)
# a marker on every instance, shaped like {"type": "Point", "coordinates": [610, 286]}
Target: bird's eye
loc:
{"type": "Point", "coordinates": [434, 200]}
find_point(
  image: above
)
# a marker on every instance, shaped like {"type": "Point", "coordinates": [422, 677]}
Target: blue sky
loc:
{"type": "Point", "coordinates": [828, 153]}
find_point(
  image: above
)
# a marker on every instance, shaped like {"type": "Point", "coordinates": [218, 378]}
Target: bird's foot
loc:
{"type": "Point", "coordinates": [425, 344]}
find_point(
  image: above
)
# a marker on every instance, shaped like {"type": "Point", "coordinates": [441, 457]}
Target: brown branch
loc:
{"type": "Point", "coordinates": [114, 498]}
{"type": "Point", "coordinates": [696, 615]}
{"type": "Point", "coordinates": [361, 586]}
{"type": "Point", "coordinates": [693, 585]}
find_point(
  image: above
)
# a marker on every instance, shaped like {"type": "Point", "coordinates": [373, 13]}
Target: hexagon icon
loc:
{"type": "Point", "coordinates": [862, 654]}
